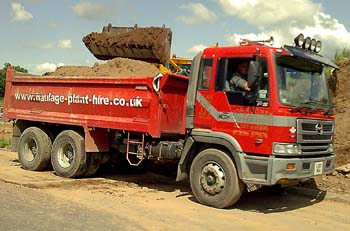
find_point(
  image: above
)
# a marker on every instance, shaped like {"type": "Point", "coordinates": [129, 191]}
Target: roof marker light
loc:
{"type": "Point", "coordinates": [318, 46]}
{"type": "Point", "coordinates": [307, 43]}
{"type": "Point", "coordinates": [313, 44]}
{"type": "Point", "coordinates": [299, 40]}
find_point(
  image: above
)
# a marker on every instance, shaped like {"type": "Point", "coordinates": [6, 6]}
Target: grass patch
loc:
{"type": "Point", "coordinates": [5, 144]}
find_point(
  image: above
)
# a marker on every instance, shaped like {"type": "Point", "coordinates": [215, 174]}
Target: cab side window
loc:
{"type": "Point", "coordinates": [228, 68]}
{"type": "Point", "coordinates": [262, 85]}
{"type": "Point", "coordinates": [205, 74]}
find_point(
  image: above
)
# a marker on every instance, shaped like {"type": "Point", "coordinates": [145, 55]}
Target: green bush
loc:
{"type": "Point", "coordinates": [341, 55]}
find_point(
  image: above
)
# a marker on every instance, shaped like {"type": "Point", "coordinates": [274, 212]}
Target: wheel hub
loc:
{"type": "Point", "coordinates": [65, 155]}
{"type": "Point", "coordinates": [30, 150]}
{"type": "Point", "coordinates": [212, 178]}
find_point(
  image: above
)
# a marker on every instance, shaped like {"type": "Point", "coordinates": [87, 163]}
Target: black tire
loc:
{"type": "Point", "coordinates": [68, 156]}
{"type": "Point", "coordinates": [34, 149]}
{"type": "Point", "coordinates": [93, 163]}
{"type": "Point", "coordinates": [214, 179]}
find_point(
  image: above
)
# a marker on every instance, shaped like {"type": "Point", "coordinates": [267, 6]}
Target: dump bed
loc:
{"type": "Point", "coordinates": [153, 105]}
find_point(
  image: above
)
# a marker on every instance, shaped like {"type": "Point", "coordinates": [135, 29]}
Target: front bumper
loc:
{"type": "Point", "coordinates": [272, 170]}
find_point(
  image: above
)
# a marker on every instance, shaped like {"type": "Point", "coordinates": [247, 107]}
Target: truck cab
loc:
{"type": "Point", "coordinates": [279, 132]}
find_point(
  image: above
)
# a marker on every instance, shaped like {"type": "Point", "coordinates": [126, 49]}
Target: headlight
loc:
{"type": "Point", "coordinates": [286, 149]}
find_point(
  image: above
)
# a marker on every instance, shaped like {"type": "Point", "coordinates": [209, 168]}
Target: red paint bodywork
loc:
{"type": "Point", "coordinates": [159, 114]}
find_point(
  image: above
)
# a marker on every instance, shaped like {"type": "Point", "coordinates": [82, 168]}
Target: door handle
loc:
{"type": "Point", "coordinates": [224, 115]}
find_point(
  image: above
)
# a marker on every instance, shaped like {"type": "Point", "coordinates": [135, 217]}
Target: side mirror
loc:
{"type": "Point", "coordinates": [253, 73]}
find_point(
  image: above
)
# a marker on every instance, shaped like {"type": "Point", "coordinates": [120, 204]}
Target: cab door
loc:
{"type": "Point", "coordinates": [241, 114]}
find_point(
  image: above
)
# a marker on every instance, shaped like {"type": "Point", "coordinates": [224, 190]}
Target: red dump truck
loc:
{"type": "Point", "coordinates": [279, 132]}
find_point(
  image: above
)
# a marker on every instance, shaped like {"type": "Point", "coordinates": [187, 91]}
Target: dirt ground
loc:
{"type": "Point", "coordinates": [151, 202]}
{"type": "Point", "coordinates": [5, 131]}
{"type": "Point", "coordinates": [117, 67]}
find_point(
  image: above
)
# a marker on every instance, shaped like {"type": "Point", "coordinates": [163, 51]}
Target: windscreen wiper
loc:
{"type": "Point", "coordinates": [302, 109]}
{"type": "Point", "coordinates": [305, 107]}
{"type": "Point", "coordinates": [308, 106]}
{"type": "Point", "coordinates": [328, 111]}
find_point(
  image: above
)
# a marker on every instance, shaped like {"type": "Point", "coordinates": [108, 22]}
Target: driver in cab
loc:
{"type": "Point", "coordinates": [238, 80]}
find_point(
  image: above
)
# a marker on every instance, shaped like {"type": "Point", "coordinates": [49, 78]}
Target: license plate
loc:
{"type": "Point", "coordinates": [318, 168]}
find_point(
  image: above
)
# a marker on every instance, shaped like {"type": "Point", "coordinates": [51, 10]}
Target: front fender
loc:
{"type": "Point", "coordinates": [208, 137]}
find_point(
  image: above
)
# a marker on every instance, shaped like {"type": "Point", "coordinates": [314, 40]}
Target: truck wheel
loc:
{"type": "Point", "coordinates": [68, 156]}
{"type": "Point", "coordinates": [34, 149]}
{"type": "Point", "coordinates": [214, 180]}
{"type": "Point", "coordinates": [93, 163]}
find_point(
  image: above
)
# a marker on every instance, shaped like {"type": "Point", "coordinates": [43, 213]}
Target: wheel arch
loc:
{"type": "Point", "coordinates": [203, 139]}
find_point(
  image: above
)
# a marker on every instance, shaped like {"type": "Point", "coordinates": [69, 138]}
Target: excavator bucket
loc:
{"type": "Point", "coordinates": [150, 44]}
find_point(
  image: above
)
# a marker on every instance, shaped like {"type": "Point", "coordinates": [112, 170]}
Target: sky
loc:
{"type": "Point", "coordinates": [41, 35]}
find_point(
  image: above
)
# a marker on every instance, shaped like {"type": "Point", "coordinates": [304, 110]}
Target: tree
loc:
{"type": "Point", "coordinates": [3, 76]}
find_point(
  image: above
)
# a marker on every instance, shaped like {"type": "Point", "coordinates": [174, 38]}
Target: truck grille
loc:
{"type": "Point", "coordinates": [317, 137]}
{"type": "Point", "coordinates": [314, 136]}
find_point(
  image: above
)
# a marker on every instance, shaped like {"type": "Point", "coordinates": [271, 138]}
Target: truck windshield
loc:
{"type": "Point", "coordinates": [301, 84]}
